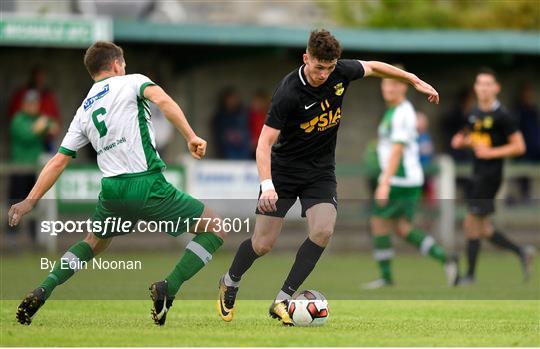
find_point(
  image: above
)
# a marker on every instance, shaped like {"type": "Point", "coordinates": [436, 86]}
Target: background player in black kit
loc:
{"type": "Point", "coordinates": [493, 135]}
{"type": "Point", "coordinates": [296, 158]}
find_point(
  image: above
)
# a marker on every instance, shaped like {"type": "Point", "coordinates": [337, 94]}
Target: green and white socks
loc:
{"type": "Point", "coordinates": [67, 265]}
{"type": "Point", "coordinates": [198, 253]}
{"type": "Point", "coordinates": [383, 254]}
{"type": "Point", "coordinates": [426, 244]}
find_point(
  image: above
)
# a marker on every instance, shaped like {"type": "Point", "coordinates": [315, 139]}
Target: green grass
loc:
{"type": "Point", "coordinates": [351, 323]}
{"type": "Point", "coordinates": [419, 311]}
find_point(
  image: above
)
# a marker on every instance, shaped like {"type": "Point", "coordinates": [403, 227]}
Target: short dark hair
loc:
{"type": "Point", "coordinates": [323, 46]}
{"type": "Point", "coordinates": [100, 56]}
{"type": "Point", "coordinates": [487, 71]}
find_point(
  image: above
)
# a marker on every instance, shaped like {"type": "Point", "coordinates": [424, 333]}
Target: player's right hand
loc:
{"type": "Point", "coordinates": [17, 211]}
{"type": "Point", "coordinates": [460, 140]}
{"type": "Point", "coordinates": [197, 147]}
{"type": "Point", "coordinates": [457, 140]}
{"type": "Point", "coordinates": [267, 201]}
{"type": "Point", "coordinates": [425, 88]}
{"type": "Point", "coordinates": [382, 193]}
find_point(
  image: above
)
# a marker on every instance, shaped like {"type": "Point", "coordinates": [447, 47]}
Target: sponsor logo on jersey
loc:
{"type": "Point", "coordinates": [339, 89]}
{"type": "Point", "coordinates": [323, 121]}
{"type": "Point", "coordinates": [306, 107]}
{"type": "Point", "coordinates": [479, 138]}
{"type": "Point", "coordinates": [90, 101]}
{"type": "Point", "coordinates": [487, 123]}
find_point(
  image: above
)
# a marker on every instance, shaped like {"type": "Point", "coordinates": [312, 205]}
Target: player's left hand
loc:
{"type": "Point", "coordinates": [425, 88]}
{"type": "Point", "coordinates": [382, 193]}
{"type": "Point", "coordinates": [197, 147]}
{"type": "Point", "coordinates": [17, 211]}
{"type": "Point", "coordinates": [482, 152]}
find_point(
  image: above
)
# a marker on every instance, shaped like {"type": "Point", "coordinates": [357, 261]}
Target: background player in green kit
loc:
{"type": "Point", "coordinates": [296, 159]}
{"type": "Point", "coordinates": [493, 135]}
{"type": "Point", "coordinates": [400, 187]}
{"type": "Point", "coordinates": [115, 119]}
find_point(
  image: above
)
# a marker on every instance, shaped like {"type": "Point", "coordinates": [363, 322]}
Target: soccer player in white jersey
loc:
{"type": "Point", "coordinates": [400, 186]}
{"type": "Point", "coordinates": [114, 117]}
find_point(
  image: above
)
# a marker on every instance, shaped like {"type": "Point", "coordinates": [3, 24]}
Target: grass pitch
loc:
{"type": "Point", "coordinates": [419, 311]}
{"type": "Point", "coordinates": [351, 323]}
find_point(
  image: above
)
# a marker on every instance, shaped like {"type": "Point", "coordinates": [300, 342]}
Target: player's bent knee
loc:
{"type": "Point", "coordinates": [219, 231]}
{"type": "Point", "coordinates": [321, 236]}
{"type": "Point", "coordinates": [96, 244]}
{"type": "Point", "coordinates": [472, 234]}
{"type": "Point", "coordinates": [402, 233]}
{"type": "Point", "coordinates": [215, 225]}
{"type": "Point", "coordinates": [487, 232]}
{"type": "Point", "coordinates": [262, 247]}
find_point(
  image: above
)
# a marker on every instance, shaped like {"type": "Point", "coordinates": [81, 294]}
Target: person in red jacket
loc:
{"type": "Point", "coordinates": [38, 81]}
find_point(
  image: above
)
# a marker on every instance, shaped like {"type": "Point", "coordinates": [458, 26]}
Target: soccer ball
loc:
{"type": "Point", "coordinates": [308, 308]}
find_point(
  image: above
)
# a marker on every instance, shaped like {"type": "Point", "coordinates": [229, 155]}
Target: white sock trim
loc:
{"type": "Point", "coordinates": [426, 245]}
{"type": "Point", "coordinates": [281, 296]}
{"type": "Point", "coordinates": [200, 251]}
{"type": "Point", "coordinates": [381, 255]}
{"type": "Point", "coordinates": [72, 260]}
{"type": "Point", "coordinates": [230, 282]}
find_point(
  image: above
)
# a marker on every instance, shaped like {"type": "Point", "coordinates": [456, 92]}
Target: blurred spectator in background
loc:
{"type": "Point", "coordinates": [47, 100]}
{"type": "Point", "coordinates": [424, 139]}
{"type": "Point", "coordinates": [529, 121]}
{"type": "Point", "coordinates": [257, 115]}
{"type": "Point", "coordinates": [426, 149]}
{"type": "Point", "coordinates": [529, 124]}
{"type": "Point", "coordinates": [28, 130]}
{"type": "Point", "coordinates": [230, 127]}
{"type": "Point", "coordinates": [454, 121]}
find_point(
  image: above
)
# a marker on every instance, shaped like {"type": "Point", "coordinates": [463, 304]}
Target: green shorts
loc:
{"type": "Point", "coordinates": [402, 202]}
{"type": "Point", "coordinates": [124, 200]}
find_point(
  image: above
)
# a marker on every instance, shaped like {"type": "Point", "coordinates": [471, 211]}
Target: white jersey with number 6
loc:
{"type": "Point", "coordinates": [115, 118]}
{"type": "Point", "coordinates": [399, 126]}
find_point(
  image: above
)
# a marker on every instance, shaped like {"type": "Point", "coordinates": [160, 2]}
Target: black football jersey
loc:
{"type": "Point", "coordinates": [490, 129]}
{"type": "Point", "coordinates": [309, 117]}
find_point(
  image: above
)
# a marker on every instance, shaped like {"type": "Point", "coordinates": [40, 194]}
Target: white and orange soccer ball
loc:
{"type": "Point", "coordinates": [308, 308]}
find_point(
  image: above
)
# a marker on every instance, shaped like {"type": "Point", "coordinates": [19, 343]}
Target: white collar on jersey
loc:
{"type": "Point", "coordinates": [300, 74]}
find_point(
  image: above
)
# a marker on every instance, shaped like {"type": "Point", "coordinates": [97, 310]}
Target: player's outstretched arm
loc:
{"type": "Point", "coordinates": [48, 176]}
{"type": "Point", "coordinates": [173, 112]}
{"type": "Point", "coordinates": [383, 70]}
{"type": "Point", "coordinates": [269, 136]}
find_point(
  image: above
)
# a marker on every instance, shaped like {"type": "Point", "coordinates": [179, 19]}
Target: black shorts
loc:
{"type": "Point", "coordinates": [481, 195]}
{"type": "Point", "coordinates": [312, 187]}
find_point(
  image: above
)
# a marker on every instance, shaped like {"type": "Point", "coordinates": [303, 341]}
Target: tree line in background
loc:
{"type": "Point", "coordinates": [436, 14]}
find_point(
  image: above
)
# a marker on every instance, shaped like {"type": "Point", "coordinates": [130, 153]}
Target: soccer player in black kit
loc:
{"type": "Point", "coordinates": [296, 158]}
{"type": "Point", "coordinates": [492, 133]}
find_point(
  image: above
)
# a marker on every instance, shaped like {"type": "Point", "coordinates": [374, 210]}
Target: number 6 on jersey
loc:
{"type": "Point", "coordinates": [100, 125]}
